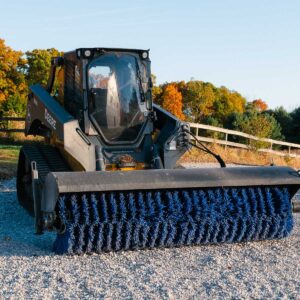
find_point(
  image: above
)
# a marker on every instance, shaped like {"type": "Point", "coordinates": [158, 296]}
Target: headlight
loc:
{"type": "Point", "coordinates": [87, 53]}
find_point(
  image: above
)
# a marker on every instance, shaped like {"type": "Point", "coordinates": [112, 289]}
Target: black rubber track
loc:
{"type": "Point", "coordinates": [47, 158]}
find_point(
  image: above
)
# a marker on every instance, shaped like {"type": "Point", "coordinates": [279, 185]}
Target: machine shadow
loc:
{"type": "Point", "coordinates": [17, 233]}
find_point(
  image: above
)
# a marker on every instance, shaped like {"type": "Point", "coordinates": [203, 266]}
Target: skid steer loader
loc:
{"type": "Point", "coordinates": [106, 178]}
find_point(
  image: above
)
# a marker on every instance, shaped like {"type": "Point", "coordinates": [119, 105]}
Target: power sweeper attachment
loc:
{"type": "Point", "coordinates": [106, 179]}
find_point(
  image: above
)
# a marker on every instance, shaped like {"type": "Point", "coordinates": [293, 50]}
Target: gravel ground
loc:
{"type": "Point", "coordinates": [28, 269]}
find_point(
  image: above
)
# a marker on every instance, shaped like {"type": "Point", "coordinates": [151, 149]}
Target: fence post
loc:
{"type": "Point", "coordinates": [226, 139]}
{"type": "Point", "coordinates": [197, 131]}
{"type": "Point", "coordinates": [289, 150]}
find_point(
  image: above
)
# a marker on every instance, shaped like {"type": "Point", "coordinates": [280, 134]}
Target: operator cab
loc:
{"type": "Point", "coordinates": [117, 105]}
{"type": "Point", "coordinates": [109, 92]}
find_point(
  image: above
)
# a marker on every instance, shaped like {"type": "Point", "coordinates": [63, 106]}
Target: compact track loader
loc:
{"type": "Point", "coordinates": [106, 178]}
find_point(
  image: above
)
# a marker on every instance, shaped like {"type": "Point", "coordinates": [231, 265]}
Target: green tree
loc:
{"type": "Point", "coordinates": [295, 132]}
{"type": "Point", "coordinates": [259, 125]}
{"type": "Point", "coordinates": [203, 100]}
{"type": "Point", "coordinates": [198, 99]}
{"type": "Point", "coordinates": [14, 105]}
{"type": "Point", "coordinates": [227, 102]}
{"type": "Point", "coordinates": [285, 121]}
{"type": "Point", "coordinates": [38, 65]}
{"type": "Point", "coordinates": [213, 122]}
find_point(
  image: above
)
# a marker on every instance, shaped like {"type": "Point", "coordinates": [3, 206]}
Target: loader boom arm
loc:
{"type": "Point", "coordinates": [46, 117]}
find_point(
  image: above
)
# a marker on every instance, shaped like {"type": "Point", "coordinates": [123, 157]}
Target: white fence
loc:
{"type": "Point", "coordinates": [290, 149]}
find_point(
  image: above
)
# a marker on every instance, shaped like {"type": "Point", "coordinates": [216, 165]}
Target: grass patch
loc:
{"type": "Point", "coordinates": [9, 153]}
{"type": "Point", "coordinates": [8, 161]}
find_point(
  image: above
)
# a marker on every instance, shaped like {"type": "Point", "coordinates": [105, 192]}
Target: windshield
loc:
{"type": "Point", "coordinates": [115, 97]}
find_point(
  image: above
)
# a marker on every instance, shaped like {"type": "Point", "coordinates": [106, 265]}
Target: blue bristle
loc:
{"type": "Point", "coordinates": [123, 209]}
{"type": "Point", "coordinates": [160, 206]}
{"type": "Point", "coordinates": [203, 205]}
{"type": "Point", "coordinates": [246, 203]}
{"type": "Point", "coordinates": [150, 204]}
{"type": "Point", "coordinates": [113, 208]}
{"type": "Point", "coordinates": [252, 202]}
{"type": "Point", "coordinates": [261, 202]}
{"type": "Point", "coordinates": [108, 237]}
{"type": "Point", "coordinates": [224, 234]}
{"type": "Point", "coordinates": [171, 234]}
{"type": "Point", "coordinates": [85, 209]}
{"type": "Point", "coordinates": [127, 233]}
{"type": "Point", "coordinates": [162, 235]}
{"type": "Point", "coordinates": [141, 204]}
{"type": "Point", "coordinates": [259, 228]}
{"type": "Point", "coordinates": [179, 204]}
{"type": "Point", "coordinates": [269, 199]}
{"type": "Point", "coordinates": [98, 222]}
{"type": "Point", "coordinates": [118, 237]}
{"type": "Point", "coordinates": [103, 209]}
{"type": "Point", "coordinates": [188, 203]}
{"type": "Point", "coordinates": [75, 213]}
{"type": "Point", "coordinates": [155, 227]}
{"type": "Point", "coordinates": [81, 241]}
{"type": "Point", "coordinates": [145, 235]}
{"type": "Point", "coordinates": [94, 207]}
{"type": "Point", "coordinates": [183, 233]}
{"type": "Point", "coordinates": [99, 238]}
{"type": "Point", "coordinates": [170, 203]}
{"type": "Point", "coordinates": [90, 238]}
{"type": "Point", "coordinates": [245, 211]}
{"type": "Point", "coordinates": [62, 210]}
{"type": "Point", "coordinates": [132, 206]}
{"type": "Point", "coordinates": [233, 221]}
{"type": "Point", "coordinates": [283, 227]}
{"type": "Point", "coordinates": [191, 231]}
{"type": "Point", "coordinates": [196, 205]}
{"type": "Point", "coordinates": [283, 206]}
{"type": "Point", "coordinates": [135, 236]}
{"type": "Point", "coordinates": [215, 232]}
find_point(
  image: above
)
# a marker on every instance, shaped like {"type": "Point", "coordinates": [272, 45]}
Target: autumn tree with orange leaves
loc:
{"type": "Point", "coordinates": [260, 105]}
{"type": "Point", "coordinates": [12, 79]}
{"type": "Point", "coordinates": [172, 101]}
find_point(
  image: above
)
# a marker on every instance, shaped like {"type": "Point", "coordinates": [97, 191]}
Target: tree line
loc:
{"type": "Point", "coordinates": [202, 102]}
{"type": "Point", "coordinates": [193, 101]}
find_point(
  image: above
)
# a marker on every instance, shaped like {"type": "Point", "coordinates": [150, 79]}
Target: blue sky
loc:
{"type": "Point", "coordinates": [249, 46]}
